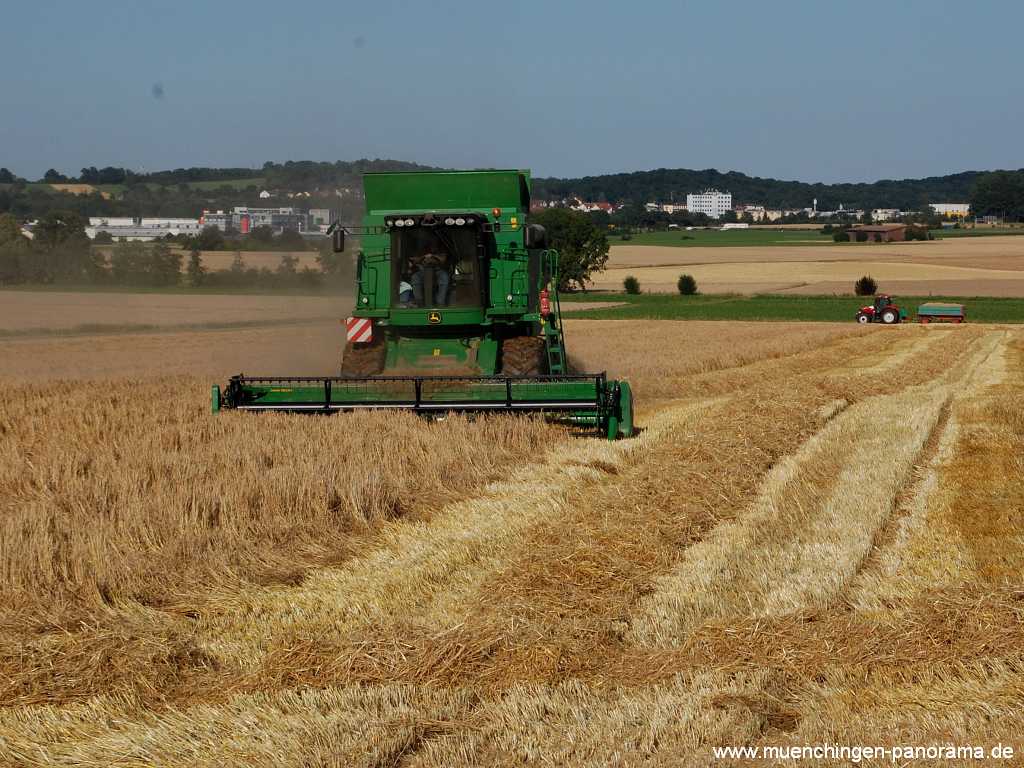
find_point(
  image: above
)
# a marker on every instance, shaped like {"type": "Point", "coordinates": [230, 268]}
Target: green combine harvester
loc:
{"type": "Point", "coordinates": [456, 311]}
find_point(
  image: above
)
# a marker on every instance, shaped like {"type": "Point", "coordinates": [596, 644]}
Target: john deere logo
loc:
{"type": "Point", "coordinates": [434, 318]}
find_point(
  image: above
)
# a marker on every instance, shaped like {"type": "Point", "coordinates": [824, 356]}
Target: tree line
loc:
{"type": "Point", "coordinates": [293, 175]}
{"type": "Point", "coordinates": [168, 193]}
{"type": "Point", "coordinates": [60, 253]}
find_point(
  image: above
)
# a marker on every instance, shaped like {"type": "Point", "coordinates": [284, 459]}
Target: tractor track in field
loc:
{"type": "Point", "coordinates": [504, 555]}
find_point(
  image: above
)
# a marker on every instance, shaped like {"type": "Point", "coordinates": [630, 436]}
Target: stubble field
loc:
{"type": "Point", "coordinates": [981, 266]}
{"type": "Point", "coordinates": [816, 538]}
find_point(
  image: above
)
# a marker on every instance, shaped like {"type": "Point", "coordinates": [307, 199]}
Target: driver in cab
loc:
{"type": "Point", "coordinates": [438, 262]}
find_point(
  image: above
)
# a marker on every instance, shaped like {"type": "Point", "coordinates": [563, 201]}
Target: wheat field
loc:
{"type": "Point", "coordinates": [815, 538]}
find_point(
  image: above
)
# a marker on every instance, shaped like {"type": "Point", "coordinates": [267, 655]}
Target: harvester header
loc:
{"type": "Point", "coordinates": [456, 310]}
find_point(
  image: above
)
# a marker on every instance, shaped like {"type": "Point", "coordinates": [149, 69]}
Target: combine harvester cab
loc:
{"type": "Point", "coordinates": [456, 310]}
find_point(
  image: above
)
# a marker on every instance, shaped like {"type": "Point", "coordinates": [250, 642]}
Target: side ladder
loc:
{"type": "Point", "coordinates": [553, 339]}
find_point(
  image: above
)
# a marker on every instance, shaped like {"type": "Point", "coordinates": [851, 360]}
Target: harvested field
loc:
{"type": "Point", "coordinates": [815, 539]}
{"type": "Point", "coordinates": [35, 312]}
{"type": "Point", "coordinates": [983, 266]}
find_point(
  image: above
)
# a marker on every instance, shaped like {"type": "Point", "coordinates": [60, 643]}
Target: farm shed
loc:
{"type": "Point", "coordinates": [882, 233]}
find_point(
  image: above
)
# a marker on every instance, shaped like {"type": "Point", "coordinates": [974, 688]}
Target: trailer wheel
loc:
{"type": "Point", "coordinates": [890, 317]}
{"type": "Point", "coordinates": [523, 356]}
{"type": "Point", "coordinates": [360, 360]}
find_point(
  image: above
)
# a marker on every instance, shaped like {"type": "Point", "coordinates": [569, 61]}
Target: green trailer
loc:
{"type": "Point", "coordinates": [934, 311]}
{"type": "Point", "coordinates": [456, 310]}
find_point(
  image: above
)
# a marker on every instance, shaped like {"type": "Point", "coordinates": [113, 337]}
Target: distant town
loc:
{"type": "Point", "coordinates": [716, 206]}
{"type": "Point", "coordinates": [719, 205]}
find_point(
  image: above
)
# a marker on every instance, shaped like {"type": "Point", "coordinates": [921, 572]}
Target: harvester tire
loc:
{"type": "Point", "coordinates": [361, 360]}
{"type": "Point", "coordinates": [523, 356]}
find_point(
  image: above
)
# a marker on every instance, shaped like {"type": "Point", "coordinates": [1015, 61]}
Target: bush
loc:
{"type": "Point", "coordinates": [842, 236]}
{"type": "Point", "coordinates": [827, 229]}
{"type": "Point", "coordinates": [862, 237]}
{"type": "Point", "coordinates": [625, 236]}
{"type": "Point", "coordinates": [687, 285]}
{"type": "Point", "coordinates": [866, 286]}
{"type": "Point", "coordinates": [631, 285]}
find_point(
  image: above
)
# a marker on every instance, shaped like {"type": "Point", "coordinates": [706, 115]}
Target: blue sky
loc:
{"type": "Point", "coordinates": [796, 90]}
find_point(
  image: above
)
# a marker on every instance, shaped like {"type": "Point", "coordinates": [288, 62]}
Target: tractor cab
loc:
{"type": "Point", "coordinates": [881, 302]}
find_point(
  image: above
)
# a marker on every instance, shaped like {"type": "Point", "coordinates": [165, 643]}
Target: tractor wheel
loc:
{"type": "Point", "coordinates": [523, 356]}
{"type": "Point", "coordinates": [863, 318]}
{"type": "Point", "coordinates": [360, 360]}
{"type": "Point", "coordinates": [890, 317]}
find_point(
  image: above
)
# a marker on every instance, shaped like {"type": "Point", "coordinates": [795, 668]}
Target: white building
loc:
{"type": "Point", "coordinates": [669, 208]}
{"type": "Point", "coordinates": [111, 221]}
{"type": "Point", "coordinates": [951, 210]}
{"type": "Point", "coordinates": [756, 212]}
{"type": "Point", "coordinates": [125, 228]}
{"type": "Point", "coordinates": [710, 202]}
{"type": "Point", "coordinates": [885, 214]}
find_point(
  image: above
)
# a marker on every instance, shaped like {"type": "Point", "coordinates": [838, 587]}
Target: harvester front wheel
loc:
{"type": "Point", "coordinates": [361, 360]}
{"type": "Point", "coordinates": [523, 356]}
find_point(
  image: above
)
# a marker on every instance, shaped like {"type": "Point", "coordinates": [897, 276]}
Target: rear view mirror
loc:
{"type": "Point", "coordinates": [338, 240]}
{"type": "Point", "coordinates": [535, 237]}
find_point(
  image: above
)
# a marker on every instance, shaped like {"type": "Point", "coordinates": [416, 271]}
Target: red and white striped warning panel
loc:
{"type": "Point", "coordinates": [360, 329]}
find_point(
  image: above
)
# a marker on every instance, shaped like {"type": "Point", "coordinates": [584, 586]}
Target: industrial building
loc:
{"type": "Point", "coordinates": [710, 202]}
{"type": "Point", "coordinates": [951, 210]}
{"type": "Point", "coordinates": [141, 229]}
{"type": "Point", "coordinates": [244, 220]}
{"type": "Point", "coordinates": [320, 219]}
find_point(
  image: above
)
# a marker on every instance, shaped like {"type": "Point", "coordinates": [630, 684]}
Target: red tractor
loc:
{"type": "Point", "coordinates": [882, 311]}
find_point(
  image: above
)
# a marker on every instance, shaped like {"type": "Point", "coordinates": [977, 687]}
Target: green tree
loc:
{"type": "Point", "coordinates": [866, 218]}
{"type": "Point", "coordinates": [291, 240]}
{"type": "Point", "coordinates": [1000, 193]}
{"type": "Point", "coordinates": [53, 176]}
{"type": "Point", "coordinates": [631, 285]}
{"type": "Point", "coordinates": [263, 235]}
{"type": "Point", "coordinates": [210, 239]}
{"type": "Point", "coordinates": [14, 251]}
{"type": "Point", "coordinates": [6, 177]}
{"type": "Point", "coordinates": [196, 270]}
{"type": "Point", "coordinates": [288, 266]}
{"type": "Point", "coordinates": [164, 266]}
{"type": "Point", "coordinates": [59, 227]}
{"type": "Point", "coordinates": [10, 232]}
{"type": "Point", "coordinates": [129, 264]}
{"type": "Point", "coordinates": [62, 250]}
{"type": "Point", "coordinates": [865, 286]}
{"type": "Point", "coordinates": [103, 238]}
{"type": "Point", "coordinates": [687, 285]}
{"type": "Point", "coordinates": [582, 247]}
